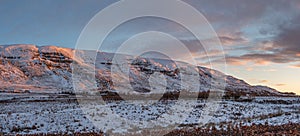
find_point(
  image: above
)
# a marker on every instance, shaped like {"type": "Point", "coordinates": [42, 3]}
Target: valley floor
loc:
{"type": "Point", "coordinates": [34, 113]}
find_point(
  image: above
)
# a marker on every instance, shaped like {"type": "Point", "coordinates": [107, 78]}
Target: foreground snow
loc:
{"type": "Point", "coordinates": [57, 113]}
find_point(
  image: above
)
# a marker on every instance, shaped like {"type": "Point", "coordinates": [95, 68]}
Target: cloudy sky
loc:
{"type": "Point", "coordinates": [261, 38]}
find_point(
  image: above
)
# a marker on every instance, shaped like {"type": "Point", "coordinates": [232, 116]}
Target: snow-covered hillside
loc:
{"type": "Point", "coordinates": [49, 68]}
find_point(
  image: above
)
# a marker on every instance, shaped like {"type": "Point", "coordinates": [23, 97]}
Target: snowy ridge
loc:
{"type": "Point", "coordinates": [49, 68]}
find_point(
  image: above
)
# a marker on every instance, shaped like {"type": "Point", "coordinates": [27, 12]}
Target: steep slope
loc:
{"type": "Point", "coordinates": [39, 67]}
{"type": "Point", "coordinates": [49, 68]}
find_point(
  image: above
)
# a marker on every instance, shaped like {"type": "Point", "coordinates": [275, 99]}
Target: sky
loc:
{"type": "Point", "coordinates": [260, 38]}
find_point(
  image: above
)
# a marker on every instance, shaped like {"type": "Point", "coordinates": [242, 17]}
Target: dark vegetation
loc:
{"type": "Point", "coordinates": [231, 130]}
{"type": "Point", "coordinates": [239, 130]}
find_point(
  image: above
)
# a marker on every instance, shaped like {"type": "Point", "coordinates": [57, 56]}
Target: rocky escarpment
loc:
{"type": "Point", "coordinates": [49, 68]}
{"type": "Point", "coordinates": [29, 65]}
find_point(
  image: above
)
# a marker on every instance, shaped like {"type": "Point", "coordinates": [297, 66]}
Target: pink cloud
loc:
{"type": "Point", "coordinates": [263, 81]}
{"type": "Point", "coordinates": [280, 84]}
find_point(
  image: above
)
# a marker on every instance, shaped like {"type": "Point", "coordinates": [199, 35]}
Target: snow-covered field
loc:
{"type": "Point", "coordinates": [57, 113]}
